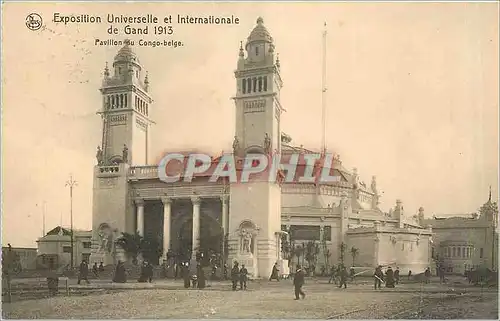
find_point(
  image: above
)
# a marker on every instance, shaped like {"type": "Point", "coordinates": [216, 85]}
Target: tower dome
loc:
{"type": "Point", "coordinates": [259, 34]}
{"type": "Point", "coordinates": [126, 55]}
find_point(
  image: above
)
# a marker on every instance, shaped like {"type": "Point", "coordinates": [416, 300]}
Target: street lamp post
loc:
{"type": "Point", "coordinates": [71, 183]}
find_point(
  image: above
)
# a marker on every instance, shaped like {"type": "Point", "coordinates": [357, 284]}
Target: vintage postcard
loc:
{"type": "Point", "coordinates": [258, 160]}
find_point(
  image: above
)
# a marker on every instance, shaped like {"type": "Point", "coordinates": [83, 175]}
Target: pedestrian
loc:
{"type": "Point", "coordinates": [243, 277]}
{"type": "Point", "coordinates": [275, 273]}
{"type": "Point", "coordinates": [84, 272]}
{"type": "Point", "coordinates": [427, 275]}
{"type": "Point", "coordinates": [149, 272]}
{"type": "Point", "coordinates": [442, 278]}
{"type": "Point", "coordinates": [101, 267]}
{"type": "Point", "coordinates": [201, 277]}
{"type": "Point", "coordinates": [389, 278]}
{"type": "Point", "coordinates": [409, 275]}
{"type": "Point", "coordinates": [298, 282]}
{"type": "Point", "coordinates": [396, 275]}
{"type": "Point", "coordinates": [333, 275]}
{"type": "Point", "coordinates": [343, 278]}
{"type": "Point", "coordinates": [144, 275]}
{"type": "Point", "coordinates": [120, 273]}
{"type": "Point", "coordinates": [95, 270]}
{"type": "Point", "coordinates": [379, 277]}
{"type": "Point", "coordinates": [352, 273]}
{"type": "Point", "coordinates": [235, 275]}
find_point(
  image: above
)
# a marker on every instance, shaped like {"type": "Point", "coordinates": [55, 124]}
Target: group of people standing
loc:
{"type": "Point", "coordinates": [239, 275]}
{"type": "Point", "coordinates": [390, 278]}
{"type": "Point", "coordinates": [339, 275]}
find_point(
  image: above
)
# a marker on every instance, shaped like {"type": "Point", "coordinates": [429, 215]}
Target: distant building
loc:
{"type": "Point", "coordinates": [24, 257]}
{"type": "Point", "coordinates": [54, 249]}
{"type": "Point", "coordinates": [464, 242]}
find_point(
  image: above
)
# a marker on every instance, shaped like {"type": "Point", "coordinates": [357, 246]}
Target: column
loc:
{"type": "Point", "coordinates": [166, 225]}
{"type": "Point", "coordinates": [196, 225]}
{"type": "Point", "coordinates": [225, 217]}
{"type": "Point", "coordinates": [278, 243]}
{"type": "Point", "coordinates": [140, 216]}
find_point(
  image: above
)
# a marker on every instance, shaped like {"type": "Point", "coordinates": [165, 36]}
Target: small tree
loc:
{"type": "Point", "coordinates": [326, 252]}
{"type": "Point", "coordinates": [286, 248]}
{"type": "Point", "coordinates": [354, 254]}
{"type": "Point", "coordinates": [342, 248]}
{"type": "Point", "coordinates": [135, 244]}
{"type": "Point", "coordinates": [131, 244]}
{"type": "Point", "coordinates": [297, 251]}
{"type": "Point", "coordinates": [311, 254]}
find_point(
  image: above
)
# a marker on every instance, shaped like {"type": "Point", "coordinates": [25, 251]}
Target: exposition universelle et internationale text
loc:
{"type": "Point", "coordinates": [147, 30]}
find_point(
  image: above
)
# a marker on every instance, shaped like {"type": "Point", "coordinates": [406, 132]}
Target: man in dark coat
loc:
{"type": "Point", "coordinates": [427, 275]}
{"type": "Point", "coordinates": [185, 274]}
{"type": "Point", "coordinates": [95, 270]}
{"type": "Point", "coordinates": [84, 272]}
{"type": "Point", "coordinates": [379, 277]}
{"type": "Point", "coordinates": [389, 278]}
{"type": "Point", "coordinates": [101, 267]}
{"type": "Point", "coordinates": [333, 275]}
{"type": "Point", "coordinates": [144, 275]}
{"type": "Point", "coordinates": [442, 279]}
{"type": "Point", "coordinates": [235, 275]}
{"type": "Point", "coordinates": [396, 275]}
{"type": "Point", "coordinates": [201, 276]}
{"type": "Point", "coordinates": [149, 272]}
{"type": "Point", "coordinates": [120, 273]}
{"type": "Point", "coordinates": [243, 277]}
{"type": "Point", "coordinates": [275, 273]}
{"type": "Point", "coordinates": [298, 282]}
{"type": "Point", "coordinates": [343, 277]}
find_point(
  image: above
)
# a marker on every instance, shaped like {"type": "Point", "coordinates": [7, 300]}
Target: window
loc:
{"type": "Point", "coordinates": [86, 257]}
{"type": "Point", "coordinates": [66, 249]}
{"type": "Point", "coordinates": [244, 85]}
{"type": "Point", "coordinates": [481, 253]}
{"type": "Point", "coordinates": [454, 252]}
{"type": "Point", "coordinates": [87, 245]}
{"type": "Point", "coordinates": [463, 252]}
{"type": "Point", "coordinates": [119, 70]}
{"type": "Point", "coordinates": [256, 51]}
{"type": "Point", "coordinates": [305, 232]}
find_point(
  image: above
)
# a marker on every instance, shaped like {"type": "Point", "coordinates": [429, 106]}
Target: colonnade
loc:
{"type": "Point", "coordinates": [167, 213]}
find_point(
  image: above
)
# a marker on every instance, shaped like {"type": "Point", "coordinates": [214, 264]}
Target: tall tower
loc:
{"type": "Point", "coordinates": [255, 206]}
{"type": "Point", "coordinates": [125, 111]}
{"type": "Point", "coordinates": [258, 108]}
{"type": "Point", "coordinates": [125, 142]}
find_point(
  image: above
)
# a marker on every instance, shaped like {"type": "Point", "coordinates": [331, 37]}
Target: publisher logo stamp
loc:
{"type": "Point", "coordinates": [34, 21]}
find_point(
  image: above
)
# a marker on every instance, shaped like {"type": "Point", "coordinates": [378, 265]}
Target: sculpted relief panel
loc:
{"type": "Point", "coordinates": [247, 232]}
{"type": "Point", "coordinates": [106, 238]}
{"type": "Point", "coordinates": [118, 119]}
{"type": "Point", "coordinates": [254, 106]}
{"type": "Point", "coordinates": [108, 182]}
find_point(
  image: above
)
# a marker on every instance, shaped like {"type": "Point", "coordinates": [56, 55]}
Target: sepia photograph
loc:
{"type": "Point", "coordinates": [250, 160]}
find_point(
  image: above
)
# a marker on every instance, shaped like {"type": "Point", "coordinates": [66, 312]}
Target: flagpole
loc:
{"type": "Point", "coordinates": [323, 95]}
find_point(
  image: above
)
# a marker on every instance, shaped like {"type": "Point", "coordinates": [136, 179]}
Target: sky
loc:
{"type": "Point", "coordinates": [412, 98]}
